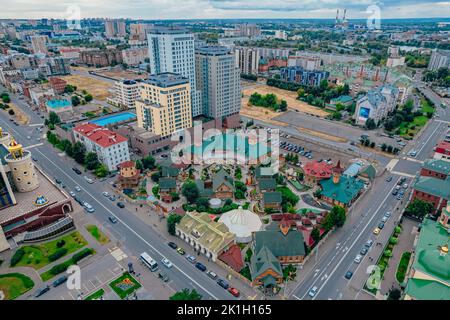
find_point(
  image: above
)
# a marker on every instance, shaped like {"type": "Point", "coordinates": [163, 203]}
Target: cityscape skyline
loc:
{"type": "Point", "coordinates": [215, 9]}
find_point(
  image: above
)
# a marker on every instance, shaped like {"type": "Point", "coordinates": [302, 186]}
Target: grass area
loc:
{"type": "Point", "coordinates": [14, 285]}
{"type": "Point", "coordinates": [408, 130]}
{"type": "Point", "coordinates": [246, 273]}
{"type": "Point", "coordinates": [125, 285]}
{"type": "Point", "coordinates": [62, 267]}
{"type": "Point", "coordinates": [426, 107]}
{"type": "Point", "coordinates": [97, 234]}
{"type": "Point", "coordinates": [303, 211]}
{"type": "Point", "coordinates": [96, 295]}
{"type": "Point", "coordinates": [37, 256]}
{"type": "Point", "coordinates": [402, 267]}
{"type": "Point", "coordinates": [297, 185]}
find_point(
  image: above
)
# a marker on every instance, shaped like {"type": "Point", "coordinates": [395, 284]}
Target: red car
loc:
{"type": "Point", "coordinates": [234, 292]}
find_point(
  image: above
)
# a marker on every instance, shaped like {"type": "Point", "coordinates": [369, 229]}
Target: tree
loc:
{"type": "Point", "coordinates": [394, 294]}
{"type": "Point", "coordinates": [75, 101]}
{"type": "Point", "coordinates": [149, 162]}
{"type": "Point", "coordinates": [370, 124]}
{"type": "Point", "coordinates": [101, 171]}
{"type": "Point", "coordinates": [172, 221]}
{"type": "Point", "coordinates": [315, 235]}
{"type": "Point", "coordinates": [283, 105]}
{"type": "Point", "coordinates": [156, 176]}
{"type": "Point", "coordinates": [53, 118]}
{"type": "Point", "coordinates": [339, 216]}
{"type": "Point", "coordinates": [91, 161]}
{"type": "Point", "coordinates": [88, 97]}
{"type": "Point", "coordinates": [185, 294]}
{"type": "Point", "coordinates": [139, 165]}
{"type": "Point", "coordinates": [190, 191]}
{"type": "Point", "coordinates": [79, 152]}
{"type": "Point", "coordinates": [419, 208]}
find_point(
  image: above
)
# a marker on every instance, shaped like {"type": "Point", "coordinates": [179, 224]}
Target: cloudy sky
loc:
{"type": "Point", "coordinates": [195, 9]}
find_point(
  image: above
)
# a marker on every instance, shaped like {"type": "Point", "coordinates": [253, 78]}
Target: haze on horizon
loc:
{"type": "Point", "coordinates": [221, 9]}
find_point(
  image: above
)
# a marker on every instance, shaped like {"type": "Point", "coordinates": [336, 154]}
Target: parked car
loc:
{"type": "Point", "coordinates": [369, 243]}
{"type": "Point", "coordinates": [173, 245]}
{"type": "Point", "coordinates": [106, 194]}
{"type": "Point", "coordinates": [88, 207]}
{"type": "Point", "coordinates": [89, 180]}
{"type": "Point", "coordinates": [348, 275]}
{"type": "Point", "coordinates": [405, 186]}
{"type": "Point", "coordinates": [212, 275]}
{"type": "Point", "coordinates": [181, 251]}
{"type": "Point", "coordinates": [41, 291]}
{"type": "Point", "coordinates": [163, 276]}
{"type": "Point", "coordinates": [77, 188]}
{"type": "Point", "coordinates": [358, 258]}
{"type": "Point", "coordinates": [223, 284]}
{"type": "Point", "coordinates": [376, 231]}
{"type": "Point", "coordinates": [59, 281]}
{"type": "Point", "coordinates": [234, 292]}
{"type": "Point", "coordinates": [120, 205]}
{"type": "Point", "coordinates": [384, 219]}
{"type": "Point", "coordinates": [190, 258]}
{"type": "Point", "coordinates": [57, 181]}
{"type": "Point", "coordinates": [167, 263]}
{"type": "Point", "coordinates": [34, 159]}
{"type": "Point", "coordinates": [72, 194]}
{"type": "Point", "coordinates": [381, 225]}
{"type": "Point", "coordinates": [395, 192]}
{"type": "Point", "coordinates": [389, 179]}
{"type": "Point", "coordinates": [76, 170]}
{"type": "Point", "coordinates": [387, 214]}
{"type": "Point", "coordinates": [112, 219]}
{"type": "Point", "coordinates": [200, 266]}
{"type": "Point", "coordinates": [312, 292]}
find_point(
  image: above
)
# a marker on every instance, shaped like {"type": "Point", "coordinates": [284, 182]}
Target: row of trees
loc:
{"type": "Point", "coordinates": [440, 77]}
{"type": "Point", "coordinates": [268, 101]}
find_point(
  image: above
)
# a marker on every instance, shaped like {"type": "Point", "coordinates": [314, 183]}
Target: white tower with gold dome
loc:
{"type": "Point", "coordinates": [22, 167]}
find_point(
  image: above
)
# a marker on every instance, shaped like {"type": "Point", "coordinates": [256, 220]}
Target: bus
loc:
{"type": "Point", "coordinates": [149, 261]}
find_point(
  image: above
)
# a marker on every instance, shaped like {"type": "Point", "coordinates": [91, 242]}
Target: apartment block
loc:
{"type": "Point", "coordinates": [115, 28]}
{"type": "Point", "coordinates": [439, 59]}
{"type": "Point", "coordinates": [247, 59]}
{"type": "Point", "coordinates": [164, 106]}
{"type": "Point", "coordinates": [38, 44]}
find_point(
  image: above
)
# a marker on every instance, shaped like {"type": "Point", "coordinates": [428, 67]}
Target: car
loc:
{"type": "Point", "coordinates": [112, 219]}
{"type": "Point", "coordinates": [163, 276]}
{"type": "Point", "coordinates": [369, 243]}
{"type": "Point", "coordinates": [173, 245]}
{"type": "Point", "coordinates": [412, 153]}
{"type": "Point", "coordinates": [394, 193]}
{"type": "Point", "coordinates": [399, 197]}
{"type": "Point", "coordinates": [106, 194]}
{"type": "Point", "coordinates": [41, 291]}
{"type": "Point", "coordinates": [387, 214]}
{"type": "Point", "coordinates": [200, 266]}
{"type": "Point", "coordinates": [381, 225]}
{"type": "Point", "coordinates": [77, 188]}
{"type": "Point", "coordinates": [211, 274]}
{"type": "Point", "coordinates": [121, 205]}
{"type": "Point", "coordinates": [72, 194]}
{"type": "Point", "coordinates": [59, 281]}
{"type": "Point", "coordinates": [384, 219]}
{"type": "Point", "coordinates": [363, 251]}
{"type": "Point", "coordinates": [63, 185]}
{"type": "Point", "coordinates": [58, 181]}
{"type": "Point", "coordinates": [358, 258]}
{"type": "Point", "coordinates": [405, 186]}
{"type": "Point", "coordinates": [397, 187]}
{"type": "Point", "coordinates": [190, 258]}
{"type": "Point", "coordinates": [88, 207]}
{"type": "Point", "coordinates": [34, 159]}
{"type": "Point", "coordinates": [112, 197]}
{"type": "Point", "coordinates": [76, 170]}
{"type": "Point", "coordinates": [223, 284]}
{"type": "Point", "coordinates": [348, 275]}
{"type": "Point", "coordinates": [234, 292]}
{"type": "Point", "coordinates": [401, 192]}
{"type": "Point", "coordinates": [376, 231]}
{"type": "Point", "coordinates": [181, 251]}
{"type": "Point", "coordinates": [312, 292]}
{"type": "Point", "coordinates": [166, 263]}
{"type": "Point", "coordinates": [88, 180]}
{"type": "Point", "coordinates": [389, 179]}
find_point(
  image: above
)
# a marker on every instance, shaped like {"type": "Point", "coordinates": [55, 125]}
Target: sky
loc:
{"type": "Point", "coordinates": [216, 9]}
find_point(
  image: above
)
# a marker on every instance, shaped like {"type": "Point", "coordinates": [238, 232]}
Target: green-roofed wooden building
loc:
{"type": "Point", "coordinates": [341, 190]}
{"type": "Point", "coordinates": [265, 269]}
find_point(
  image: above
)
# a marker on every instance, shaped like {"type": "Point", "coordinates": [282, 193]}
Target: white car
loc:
{"type": "Point", "coordinates": [106, 194]}
{"type": "Point", "coordinates": [312, 292]}
{"type": "Point", "coordinates": [167, 263]}
{"type": "Point", "coordinates": [72, 194]}
{"type": "Point", "coordinates": [77, 188]}
{"type": "Point", "coordinates": [358, 258]}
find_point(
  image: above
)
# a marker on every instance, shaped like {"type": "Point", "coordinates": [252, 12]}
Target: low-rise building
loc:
{"type": "Point", "coordinates": [205, 235]}
{"type": "Point", "coordinates": [272, 201]}
{"type": "Point", "coordinates": [315, 171]}
{"type": "Point", "coordinates": [376, 104]}
{"type": "Point", "coordinates": [432, 190]}
{"type": "Point", "coordinates": [110, 147]}
{"type": "Point", "coordinates": [129, 175]}
{"type": "Point", "coordinates": [167, 187]}
{"type": "Point", "coordinates": [134, 56]}
{"type": "Point", "coordinates": [265, 269]}
{"type": "Point", "coordinates": [442, 151]}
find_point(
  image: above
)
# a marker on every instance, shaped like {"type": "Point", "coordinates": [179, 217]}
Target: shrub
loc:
{"type": "Point", "coordinates": [58, 254]}
{"type": "Point", "coordinates": [18, 255]}
{"type": "Point", "coordinates": [59, 268]}
{"type": "Point", "coordinates": [82, 254]}
{"type": "Point", "coordinates": [60, 243]}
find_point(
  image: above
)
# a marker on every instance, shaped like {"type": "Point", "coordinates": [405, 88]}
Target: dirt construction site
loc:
{"type": "Point", "coordinates": [98, 88]}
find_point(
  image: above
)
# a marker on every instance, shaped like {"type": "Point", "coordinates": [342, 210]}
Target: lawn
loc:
{"type": "Point", "coordinates": [97, 234]}
{"type": "Point", "coordinates": [36, 256]}
{"type": "Point", "coordinates": [14, 285]}
{"type": "Point", "coordinates": [96, 295]}
{"type": "Point", "coordinates": [402, 267]}
{"type": "Point", "coordinates": [125, 285]}
{"type": "Point", "coordinates": [426, 107]}
{"type": "Point", "coordinates": [406, 129]}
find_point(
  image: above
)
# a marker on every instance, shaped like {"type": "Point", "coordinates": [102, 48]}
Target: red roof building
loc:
{"type": "Point", "coordinates": [315, 171]}
{"type": "Point", "coordinates": [442, 151]}
{"type": "Point", "coordinates": [233, 258]}
{"type": "Point", "coordinates": [111, 147]}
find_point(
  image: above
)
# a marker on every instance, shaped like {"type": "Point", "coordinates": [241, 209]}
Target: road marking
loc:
{"type": "Point", "coordinates": [391, 165]}
{"type": "Point", "coordinates": [355, 241]}
{"type": "Point", "coordinates": [34, 146]}
{"type": "Point", "coordinates": [403, 174]}
{"type": "Point", "coordinates": [36, 125]}
{"type": "Point", "coordinates": [296, 297]}
{"type": "Point", "coordinates": [128, 227]}
{"type": "Point", "coordinates": [431, 135]}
